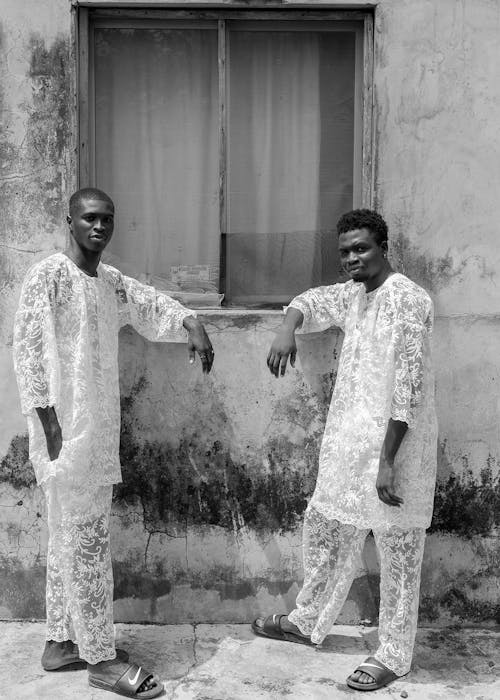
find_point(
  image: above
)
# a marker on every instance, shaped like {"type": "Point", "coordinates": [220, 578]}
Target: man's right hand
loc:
{"type": "Point", "coordinates": [52, 430]}
{"type": "Point", "coordinates": [283, 347]}
{"type": "Point", "coordinates": [54, 443]}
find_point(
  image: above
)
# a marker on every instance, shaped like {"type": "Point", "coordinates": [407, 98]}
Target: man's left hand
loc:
{"type": "Point", "coordinates": [385, 484]}
{"type": "Point", "coordinates": [199, 342]}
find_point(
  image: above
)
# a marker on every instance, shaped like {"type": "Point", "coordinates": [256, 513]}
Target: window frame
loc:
{"type": "Point", "coordinates": [224, 20]}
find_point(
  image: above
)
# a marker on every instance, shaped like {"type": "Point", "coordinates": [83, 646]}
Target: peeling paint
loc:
{"type": "Point", "coordinates": [33, 175]}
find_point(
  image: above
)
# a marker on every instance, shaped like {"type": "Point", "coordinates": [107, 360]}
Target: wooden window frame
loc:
{"type": "Point", "coordinates": [87, 18]}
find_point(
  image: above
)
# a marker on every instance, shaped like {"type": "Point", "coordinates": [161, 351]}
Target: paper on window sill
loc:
{"type": "Point", "coordinates": [197, 299]}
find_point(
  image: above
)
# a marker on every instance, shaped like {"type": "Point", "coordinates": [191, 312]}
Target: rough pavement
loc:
{"type": "Point", "coordinates": [227, 662]}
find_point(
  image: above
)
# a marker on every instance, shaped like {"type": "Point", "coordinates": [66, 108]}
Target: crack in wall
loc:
{"type": "Point", "coordinates": [160, 532]}
{"type": "Point", "coordinates": [195, 642]}
{"type": "Point", "coordinates": [18, 249]}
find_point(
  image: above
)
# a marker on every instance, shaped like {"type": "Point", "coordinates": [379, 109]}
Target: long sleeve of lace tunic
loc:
{"type": "Point", "coordinates": [35, 351]}
{"type": "Point", "coordinates": [323, 307]}
{"type": "Point", "coordinates": [412, 316]}
{"type": "Point", "coordinates": [150, 312]}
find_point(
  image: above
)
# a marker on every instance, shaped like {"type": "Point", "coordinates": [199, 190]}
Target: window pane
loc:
{"type": "Point", "coordinates": [291, 151]}
{"type": "Point", "coordinates": [156, 144]}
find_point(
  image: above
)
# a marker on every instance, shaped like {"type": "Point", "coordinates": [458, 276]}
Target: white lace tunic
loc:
{"type": "Point", "coordinates": [66, 356]}
{"type": "Point", "coordinates": [384, 372]}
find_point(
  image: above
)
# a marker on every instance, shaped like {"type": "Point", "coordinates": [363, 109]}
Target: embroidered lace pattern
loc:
{"type": "Point", "coordinates": [384, 372]}
{"type": "Point", "coordinates": [332, 557]}
{"type": "Point", "coordinates": [79, 596]}
{"type": "Point", "coordinates": [66, 355]}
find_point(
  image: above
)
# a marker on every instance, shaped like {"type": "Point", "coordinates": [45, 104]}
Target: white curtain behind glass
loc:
{"type": "Point", "coordinates": [156, 144]}
{"type": "Point", "coordinates": [291, 140]}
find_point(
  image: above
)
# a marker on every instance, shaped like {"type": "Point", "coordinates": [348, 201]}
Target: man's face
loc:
{"type": "Point", "coordinates": [92, 224]}
{"type": "Point", "coordinates": [361, 256]}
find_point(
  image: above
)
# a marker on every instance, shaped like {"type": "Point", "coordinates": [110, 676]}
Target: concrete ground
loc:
{"type": "Point", "coordinates": [227, 662]}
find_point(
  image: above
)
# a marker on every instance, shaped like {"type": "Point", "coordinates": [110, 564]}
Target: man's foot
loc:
{"type": "Point", "coordinates": [124, 679]}
{"type": "Point", "coordinates": [371, 675]}
{"type": "Point", "coordinates": [279, 627]}
{"type": "Point", "coordinates": [61, 655]}
{"type": "Point", "coordinates": [65, 656]}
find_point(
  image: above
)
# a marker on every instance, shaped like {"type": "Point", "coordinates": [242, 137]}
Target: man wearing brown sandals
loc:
{"type": "Point", "coordinates": [66, 360]}
{"type": "Point", "coordinates": [377, 462]}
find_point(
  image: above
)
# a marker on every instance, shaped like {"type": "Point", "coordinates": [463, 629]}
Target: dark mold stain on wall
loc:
{"type": "Point", "coordinates": [15, 467]}
{"type": "Point", "coordinates": [196, 481]}
{"type": "Point", "coordinates": [7, 148]}
{"type": "Point", "coordinates": [466, 505]}
{"type": "Point", "coordinates": [457, 605]}
{"type": "Point", "coordinates": [50, 114]}
{"type": "Point", "coordinates": [50, 125]}
{"type": "Point", "coordinates": [432, 272]}
{"type": "Point", "coordinates": [129, 583]}
{"type": "Point", "coordinates": [200, 484]}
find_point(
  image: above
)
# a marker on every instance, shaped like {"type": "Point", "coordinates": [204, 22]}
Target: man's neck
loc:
{"type": "Point", "coordinates": [86, 260]}
{"type": "Point", "coordinates": [375, 282]}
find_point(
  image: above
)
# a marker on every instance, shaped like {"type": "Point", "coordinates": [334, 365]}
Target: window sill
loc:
{"type": "Point", "coordinates": [238, 312]}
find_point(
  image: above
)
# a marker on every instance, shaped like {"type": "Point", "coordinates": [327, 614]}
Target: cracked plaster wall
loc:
{"type": "Point", "coordinates": [217, 471]}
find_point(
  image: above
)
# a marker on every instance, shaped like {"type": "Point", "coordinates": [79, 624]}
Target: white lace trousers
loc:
{"type": "Point", "coordinates": [332, 553]}
{"type": "Point", "coordinates": [79, 596]}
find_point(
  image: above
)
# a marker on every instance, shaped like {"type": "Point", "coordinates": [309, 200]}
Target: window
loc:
{"type": "Point", "coordinates": [230, 141]}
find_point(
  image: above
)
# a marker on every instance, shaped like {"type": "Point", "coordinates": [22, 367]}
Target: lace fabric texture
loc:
{"type": "Point", "coordinates": [384, 372]}
{"type": "Point", "coordinates": [332, 556]}
{"type": "Point", "coordinates": [66, 355]}
{"type": "Point", "coordinates": [79, 594]}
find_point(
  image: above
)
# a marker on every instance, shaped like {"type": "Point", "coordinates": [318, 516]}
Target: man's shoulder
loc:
{"type": "Point", "coordinates": [110, 273]}
{"type": "Point", "coordinates": [47, 267]}
{"type": "Point", "coordinates": [405, 286]}
{"type": "Point", "coordinates": [345, 288]}
{"type": "Point", "coordinates": [409, 300]}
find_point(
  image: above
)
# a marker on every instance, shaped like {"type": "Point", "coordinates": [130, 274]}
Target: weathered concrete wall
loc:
{"type": "Point", "coordinates": [437, 177]}
{"type": "Point", "coordinates": [217, 470]}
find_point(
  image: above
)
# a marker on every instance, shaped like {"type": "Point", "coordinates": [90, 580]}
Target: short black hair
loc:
{"type": "Point", "coordinates": [363, 218]}
{"type": "Point", "coordinates": [92, 193]}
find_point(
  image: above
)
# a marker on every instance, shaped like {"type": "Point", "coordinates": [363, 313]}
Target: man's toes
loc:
{"type": "Point", "coordinates": [365, 678]}
{"type": "Point", "coordinates": [149, 684]}
{"type": "Point", "coordinates": [259, 622]}
{"type": "Point", "coordinates": [361, 677]}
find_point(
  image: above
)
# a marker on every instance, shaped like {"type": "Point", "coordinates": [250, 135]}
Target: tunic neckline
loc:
{"type": "Point", "coordinates": [86, 274]}
{"type": "Point", "coordinates": [374, 291]}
